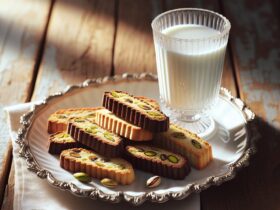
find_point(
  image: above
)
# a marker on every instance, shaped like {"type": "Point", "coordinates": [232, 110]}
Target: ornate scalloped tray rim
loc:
{"type": "Point", "coordinates": [25, 152]}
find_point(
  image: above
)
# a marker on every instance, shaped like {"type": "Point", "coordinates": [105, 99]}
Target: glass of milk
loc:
{"type": "Point", "coordinates": [190, 47]}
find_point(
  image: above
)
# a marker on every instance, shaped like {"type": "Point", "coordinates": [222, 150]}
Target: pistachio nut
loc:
{"type": "Point", "coordinates": [82, 177]}
{"type": "Point", "coordinates": [178, 135]}
{"type": "Point", "coordinates": [196, 144]}
{"type": "Point", "coordinates": [109, 182]}
{"type": "Point", "coordinates": [74, 154]}
{"type": "Point", "coordinates": [173, 159]}
{"type": "Point", "coordinates": [153, 181]}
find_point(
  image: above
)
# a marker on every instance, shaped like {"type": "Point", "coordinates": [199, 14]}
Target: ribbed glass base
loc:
{"type": "Point", "coordinates": [201, 124]}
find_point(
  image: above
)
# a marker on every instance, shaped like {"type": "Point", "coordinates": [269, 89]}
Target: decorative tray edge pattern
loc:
{"type": "Point", "coordinates": [32, 165]}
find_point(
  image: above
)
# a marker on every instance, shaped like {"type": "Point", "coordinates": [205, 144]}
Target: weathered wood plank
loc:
{"type": "Point", "coordinates": [5, 169]}
{"type": "Point", "coordinates": [134, 48]}
{"type": "Point", "coordinates": [9, 191]}
{"type": "Point", "coordinates": [256, 55]}
{"type": "Point", "coordinates": [79, 44]}
{"type": "Point", "coordinates": [20, 41]}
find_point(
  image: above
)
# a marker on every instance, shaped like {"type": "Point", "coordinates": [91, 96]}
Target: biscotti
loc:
{"type": "Point", "coordinates": [61, 141]}
{"type": "Point", "coordinates": [97, 166]}
{"type": "Point", "coordinates": [158, 161]}
{"type": "Point", "coordinates": [93, 136]}
{"type": "Point", "coordinates": [181, 141]}
{"type": "Point", "coordinates": [150, 101]}
{"type": "Point", "coordinates": [109, 121]}
{"type": "Point", "coordinates": [135, 111]}
{"type": "Point", "coordinates": [57, 121]}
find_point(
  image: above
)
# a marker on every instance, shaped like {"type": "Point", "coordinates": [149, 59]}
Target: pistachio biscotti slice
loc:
{"type": "Point", "coordinates": [135, 111]}
{"type": "Point", "coordinates": [57, 121]}
{"type": "Point", "coordinates": [109, 121]}
{"type": "Point", "coordinates": [93, 136]}
{"type": "Point", "coordinates": [181, 141]}
{"type": "Point", "coordinates": [61, 141]}
{"type": "Point", "coordinates": [97, 166]}
{"type": "Point", "coordinates": [158, 161]}
{"type": "Point", "coordinates": [150, 101]}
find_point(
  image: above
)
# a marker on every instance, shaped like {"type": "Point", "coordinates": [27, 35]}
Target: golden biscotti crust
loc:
{"type": "Point", "coordinates": [135, 111]}
{"type": "Point", "coordinates": [97, 166]}
{"type": "Point", "coordinates": [57, 122]}
{"type": "Point", "coordinates": [158, 161]}
{"type": "Point", "coordinates": [61, 141]}
{"type": "Point", "coordinates": [186, 143]}
{"type": "Point", "coordinates": [109, 121]}
{"type": "Point", "coordinates": [150, 101]}
{"type": "Point", "coordinates": [93, 136]}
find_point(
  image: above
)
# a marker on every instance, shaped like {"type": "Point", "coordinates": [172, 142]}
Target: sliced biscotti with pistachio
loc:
{"type": "Point", "coordinates": [97, 166]}
{"type": "Point", "coordinates": [57, 121]}
{"type": "Point", "coordinates": [181, 141]}
{"type": "Point", "coordinates": [135, 111]}
{"type": "Point", "coordinates": [93, 136]}
{"type": "Point", "coordinates": [109, 121]}
{"type": "Point", "coordinates": [61, 141]}
{"type": "Point", "coordinates": [158, 161]}
{"type": "Point", "coordinates": [150, 101]}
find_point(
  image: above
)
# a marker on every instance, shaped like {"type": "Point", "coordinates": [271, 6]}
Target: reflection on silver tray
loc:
{"type": "Point", "coordinates": [241, 137]}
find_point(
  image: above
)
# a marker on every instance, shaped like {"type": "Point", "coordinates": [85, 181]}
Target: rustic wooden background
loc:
{"type": "Point", "coordinates": [48, 44]}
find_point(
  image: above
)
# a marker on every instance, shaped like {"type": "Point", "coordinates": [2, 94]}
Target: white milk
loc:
{"type": "Point", "coordinates": [189, 77]}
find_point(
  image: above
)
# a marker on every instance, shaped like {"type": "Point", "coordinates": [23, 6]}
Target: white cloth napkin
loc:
{"type": "Point", "coordinates": [31, 192]}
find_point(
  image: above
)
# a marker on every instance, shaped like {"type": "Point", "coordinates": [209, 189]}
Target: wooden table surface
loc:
{"type": "Point", "coordinates": [48, 44]}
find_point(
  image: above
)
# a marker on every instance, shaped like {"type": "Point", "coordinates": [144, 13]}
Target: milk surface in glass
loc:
{"type": "Point", "coordinates": [189, 78]}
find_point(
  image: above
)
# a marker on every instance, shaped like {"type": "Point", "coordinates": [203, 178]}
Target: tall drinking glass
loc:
{"type": "Point", "coordinates": [190, 47]}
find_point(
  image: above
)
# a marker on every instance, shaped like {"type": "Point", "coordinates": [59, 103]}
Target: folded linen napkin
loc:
{"type": "Point", "coordinates": [31, 192]}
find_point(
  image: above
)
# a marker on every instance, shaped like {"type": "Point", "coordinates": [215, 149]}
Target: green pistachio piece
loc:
{"type": "Point", "coordinates": [178, 135]}
{"type": "Point", "coordinates": [79, 120]}
{"type": "Point", "coordinates": [155, 114]}
{"type": "Point", "coordinates": [116, 94]}
{"type": "Point", "coordinates": [108, 136]}
{"type": "Point", "coordinates": [92, 157]}
{"type": "Point", "coordinates": [150, 153]}
{"type": "Point", "coordinates": [163, 157]}
{"type": "Point", "coordinates": [74, 154]}
{"type": "Point", "coordinates": [196, 144]}
{"type": "Point", "coordinates": [92, 129]}
{"type": "Point", "coordinates": [121, 166]}
{"type": "Point", "coordinates": [128, 100]}
{"type": "Point", "coordinates": [139, 149]}
{"type": "Point", "coordinates": [62, 116]}
{"type": "Point", "coordinates": [99, 163]}
{"type": "Point", "coordinates": [173, 159]}
{"type": "Point", "coordinates": [63, 135]}
{"type": "Point", "coordinates": [109, 183]}
{"type": "Point", "coordinates": [144, 106]}
{"type": "Point", "coordinates": [82, 177]}
{"type": "Point", "coordinates": [91, 115]}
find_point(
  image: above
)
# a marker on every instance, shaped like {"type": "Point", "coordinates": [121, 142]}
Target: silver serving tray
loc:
{"type": "Point", "coordinates": [233, 144]}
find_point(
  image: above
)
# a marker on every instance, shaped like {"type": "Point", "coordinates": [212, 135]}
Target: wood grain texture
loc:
{"type": "Point", "coordinates": [5, 169]}
{"type": "Point", "coordinates": [256, 55]}
{"type": "Point", "coordinates": [79, 44]}
{"type": "Point", "coordinates": [20, 41]}
{"type": "Point", "coordinates": [134, 48]}
{"type": "Point", "coordinates": [9, 191]}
